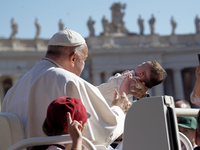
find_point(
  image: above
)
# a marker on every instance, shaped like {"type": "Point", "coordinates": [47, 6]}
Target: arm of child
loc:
{"type": "Point", "coordinates": [74, 129]}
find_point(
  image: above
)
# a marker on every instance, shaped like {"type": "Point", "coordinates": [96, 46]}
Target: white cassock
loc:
{"type": "Point", "coordinates": [31, 95]}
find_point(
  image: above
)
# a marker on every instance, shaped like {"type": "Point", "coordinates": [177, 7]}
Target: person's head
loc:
{"type": "Point", "coordinates": [151, 73]}
{"type": "Point", "coordinates": [181, 103]}
{"type": "Point", "coordinates": [68, 48]}
{"type": "Point", "coordinates": [56, 117]}
{"type": "Point", "coordinates": [188, 125]}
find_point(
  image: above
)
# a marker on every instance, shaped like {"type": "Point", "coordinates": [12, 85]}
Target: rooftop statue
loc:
{"type": "Point", "coordinates": [197, 24]}
{"type": "Point", "coordinates": [141, 25]}
{"type": "Point", "coordinates": [152, 24]}
{"type": "Point", "coordinates": [117, 24]}
{"type": "Point", "coordinates": [37, 25]}
{"type": "Point", "coordinates": [61, 25]}
{"type": "Point", "coordinates": [174, 24]}
{"type": "Point", "coordinates": [105, 25]}
{"type": "Point", "coordinates": [90, 24]}
{"type": "Point", "coordinates": [117, 14]}
{"type": "Point", "coordinates": [14, 27]}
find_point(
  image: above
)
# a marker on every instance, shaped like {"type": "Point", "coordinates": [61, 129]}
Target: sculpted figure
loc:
{"type": "Point", "coordinates": [141, 25]}
{"type": "Point", "coordinates": [174, 24]}
{"type": "Point", "coordinates": [61, 25]}
{"type": "Point", "coordinates": [117, 14]}
{"type": "Point", "coordinates": [117, 24]}
{"type": "Point", "coordinates": [90, 24]}
{"type": "Point", "coordinates": [152, 24]}
{"type": "Point", "coordinates": [14, 27]}
{"type": "Point", "coordinates": [197, 24]}
{"type": "Point", "coordinates": [105, 25]}
{"type": "Point", "coordinates": [37, 25]}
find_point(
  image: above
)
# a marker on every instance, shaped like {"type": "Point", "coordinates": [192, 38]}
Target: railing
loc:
{"type": "Point", "coordinates": [186, 112]}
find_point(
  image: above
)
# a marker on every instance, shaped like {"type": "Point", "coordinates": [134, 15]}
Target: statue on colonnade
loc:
{"type": "Point", "coordinates": [197, 24]}
{"type": "Point", "coordinates": [117, 24]}
{"type": "Point", "coordinates": [105, 25]}
{"type": "Point", "coordinates": [152, 24]}
{"type": "Point", "coordinates": [174, 24]}
{"type": "Point", "coordinates": [141, 25]}
{"type": "Point", "coordinates": [61, 25]}
{"type": "Point", "coordinates": [14, 27]}
{"type": "Point", "coordinates": [90, 24]}
{"type": "Point", "coordinates": [37, 25]}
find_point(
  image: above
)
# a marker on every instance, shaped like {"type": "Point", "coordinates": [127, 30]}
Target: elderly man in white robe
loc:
{"type": "Point", "coordinates": [58, 74]}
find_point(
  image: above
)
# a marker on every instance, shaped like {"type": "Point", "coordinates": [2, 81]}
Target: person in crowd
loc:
{"type": "Point", "coordinates": [195, 95]}
{"type": "Point", "coordinates": [144, 77]}
{"type": "Point", "coordinates": [197, 133]}
{"type": "Point", "coordinates": [188, 125]}
{"type": "Point", "coordinates": [65, 115]}
{"type": "Point", "coordinates": [58, 74]}
{"type": "Point", "coordinates": [182, 103]}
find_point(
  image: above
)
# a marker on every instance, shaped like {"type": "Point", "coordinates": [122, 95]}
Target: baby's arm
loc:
{"type": "Point", "coordinates": [125, 85]}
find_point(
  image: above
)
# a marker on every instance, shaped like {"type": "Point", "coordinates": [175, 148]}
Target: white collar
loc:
{"type": "Point", "coordinates": [53, 62]}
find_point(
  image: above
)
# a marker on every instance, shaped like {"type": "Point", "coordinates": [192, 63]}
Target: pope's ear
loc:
{"type": "Point", "coordinates": [72, 58]}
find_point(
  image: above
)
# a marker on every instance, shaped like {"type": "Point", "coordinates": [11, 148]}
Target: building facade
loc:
{"type": "Point", "coordinates": [114, 50]}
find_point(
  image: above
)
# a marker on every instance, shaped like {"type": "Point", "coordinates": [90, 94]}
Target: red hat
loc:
{"type": "Point", "coordinates": [57, 112]}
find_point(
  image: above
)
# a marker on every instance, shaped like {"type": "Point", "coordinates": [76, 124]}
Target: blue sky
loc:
{"type": "Point", "coordinates": [75, 14]}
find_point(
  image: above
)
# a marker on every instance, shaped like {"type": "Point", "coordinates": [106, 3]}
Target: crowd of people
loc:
{"type": "Point", "coordinates": [190, 126]}
{"type": "Point", "coordinates": [52, 99]}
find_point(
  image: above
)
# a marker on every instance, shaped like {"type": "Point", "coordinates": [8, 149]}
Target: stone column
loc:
{"type": "Point", "coordinates": [178, 83]}
{"type": "Point", "coordinates": [108, 74]}
{"type": "Point", "coordinates": [96, 78]}
{"type": "Point", "coordinates": [158, 90]}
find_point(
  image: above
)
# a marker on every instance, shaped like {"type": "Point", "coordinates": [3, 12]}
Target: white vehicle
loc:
{"type": "Point", "coordinates": [151, 123]}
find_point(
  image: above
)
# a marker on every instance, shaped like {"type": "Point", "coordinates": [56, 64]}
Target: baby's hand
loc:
{"type": "Point", "coordinates": [139, 92]}
{"type": "Point", "coordinates": [125, 72]}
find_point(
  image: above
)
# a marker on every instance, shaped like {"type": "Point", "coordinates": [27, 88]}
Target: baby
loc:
{"type": "Point", "coordinates": [134, 83]}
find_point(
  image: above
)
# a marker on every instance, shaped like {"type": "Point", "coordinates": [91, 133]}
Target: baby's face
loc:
{"type": "Point", "coordinates": [141, 70]}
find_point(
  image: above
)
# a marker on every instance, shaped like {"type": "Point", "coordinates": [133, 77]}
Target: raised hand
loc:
{"type": "Point", "coordinates": [74, 129]}
{"type": "Point", "coordinates": [121, 101]}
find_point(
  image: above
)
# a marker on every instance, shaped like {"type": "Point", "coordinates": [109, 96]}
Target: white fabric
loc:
{"type": "Point", "coordinates": [53, 148]}
{"type": "Point", "coordinates": [31, 95]}
{"type": "Point", "coordinates": [113, 83]}
{"type": "Point", "coordinates": [66, 38]}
